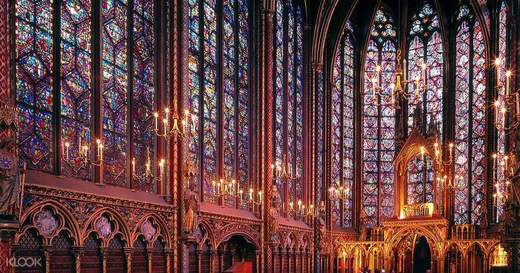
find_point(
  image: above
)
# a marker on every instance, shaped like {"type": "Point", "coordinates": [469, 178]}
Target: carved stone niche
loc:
{"type": "Point", "coordinates": [428, 149]}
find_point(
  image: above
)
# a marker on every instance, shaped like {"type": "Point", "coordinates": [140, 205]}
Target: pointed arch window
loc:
{"type": "Point", "coordinates": [378, 126]}
{"type": "Point", "coordinates": [218, 92]}
{"type": "Point", "coordinates": [55, 94]}
{"type": "Point", "coordinates": [342, 133]}
{"type": "Point", "coordinates": [470, 118]}
{"type": "Point", "coordinates": [503, 45]}
{"type": "Point", "coordinates": [288, 96]}
{"type": "Point", "coordinates": [425, 47]}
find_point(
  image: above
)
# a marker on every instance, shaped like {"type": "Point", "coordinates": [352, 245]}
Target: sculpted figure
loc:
{"type": "Point", "coordinates": [191, 208]}
{"type": "Point", "coordinates": [11, 180]}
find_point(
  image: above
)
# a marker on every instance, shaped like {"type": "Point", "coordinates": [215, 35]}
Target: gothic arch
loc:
{"type": "Point", "coordinates": [156, 222]}
{"type": "Point", "coordinates": [121, 226]}
{"type": "Point", "coordinates": [67, 222]}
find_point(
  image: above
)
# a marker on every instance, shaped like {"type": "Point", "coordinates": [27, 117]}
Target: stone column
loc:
{"type": "Point", "coordinates": [78, 252]}
{"type": "Point", "coordinates": [104, 256]}
{"type": "Point", "coordinates": [198, 252]}
{"type": "Point", "coordinates": [47, 252]}
{"type": "Point", "coordinates": [128, 255]}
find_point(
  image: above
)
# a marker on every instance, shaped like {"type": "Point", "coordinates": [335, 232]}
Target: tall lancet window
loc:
{"type": "Point", "coordinates": [56, 93]}
{"type": "Point", "coordinates": [379, 120]}
{"type": "Point", "coordinates": [504, 56]}
{"type": "Point", "coordinates": [425, 67]}
{"type": "Point", "coordinates": [425, 49]}
{"type": "Point", "coordinates": [288, 98]}
{"type": "Point", "coordinates": [342, 133]}
{"type": "Point", "coordinates": [222, 110]}
{"type": "Point", "coordinates": [470, 118]}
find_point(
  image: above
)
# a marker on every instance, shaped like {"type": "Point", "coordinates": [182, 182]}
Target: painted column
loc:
{"type": "Point", "coordinates": [267, 103]}
{"type": "Point", "coordinates": [128, 255]}
{"type": "Point", "coordinates": [78, 252]}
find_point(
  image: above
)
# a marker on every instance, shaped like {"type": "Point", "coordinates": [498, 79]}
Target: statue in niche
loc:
{"type": "Point", "coordinates": [417, 117]}
{"type": "Point", "coordinates": [191, 207]}
{"type": "Point", "coordinates": [276, 201]}
{"type": "Point", "coordinates": [12, 174]}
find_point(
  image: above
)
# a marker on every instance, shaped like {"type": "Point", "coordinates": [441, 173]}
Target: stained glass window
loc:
{"type": "Point", "coordinates": [75, 90]}
{"type": "Point", "coordinates": [143, 94]}
{"type": "Point", "coordinates": [204, 94]}
{"type": "Point", "coordinates": [425, 62]}
{"type": "Point", "coordinates": [379, 120]}
{"type": "Point", "coordinates": [34, 88]}
{"type": "Point", "coordinates": [319, 138]}
{"type": "Point", "coordinates": [288, 96]}
{"type": "Point", "coordinates": [470, 118]}
{"type": "Point", "coordinates": [425, 48]}
{"type": "Point", "coordinates": [342, 138]}
{"type": "Point", "coordinates": [115, 89]}
{"type": "Point", "coordinates": [503, 55]}
{"type": "Point", "coordinates": [76, 81]}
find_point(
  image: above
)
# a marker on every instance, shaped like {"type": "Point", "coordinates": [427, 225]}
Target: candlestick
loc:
{"type": "Point", "coordinates": [260, 197]}
{"type": "Point", "coordinates": [133, 166]}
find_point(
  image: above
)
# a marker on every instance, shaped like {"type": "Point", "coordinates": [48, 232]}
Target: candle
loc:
{"type": "Point", "coordinates": [240, 193]}
{"type": "Point", "coordinates": [508, 79]}
{"type": "Point", "coordinates": [161, 168]}
{"type": "Point", "coordinates": [299, 205]}
{"type": "Point", "coordinates": [148, 161]}
{"type": "Point", "coordinates": [156, 116]}
{"type": "Point", "coordinates": [260, 197]}
{"type": "Point", "coordinates": [165, 122]}
{"type": "Point", "coordinates": [251, 194]}
{"type": "Point", "coordinates": [133, 166]}
{"type": "Point", "coordinates": [497, 67]}
{"type": "Point", "coordinates": [67, 150]}
{"type": "Point", "coordinates": [503, 111]}
{"type": "Point", "coordinates": [506, 158]}
{"type": "Point", "coordinates": [422, 153]}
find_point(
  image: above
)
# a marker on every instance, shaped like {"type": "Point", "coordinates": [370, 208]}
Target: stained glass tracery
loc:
{"type": "Point", "coordinates": [378, 129]}
{"type": "Point", "coordinates": [288, 95]}
{"type": "Point", "coordinates": [34, 88]}
{"type": "Point", "coordinates": [36, 93]}
{"type": "Point", "coordinates": [342, 132]}
{"type": "Point", "coordinates": [232, 117]}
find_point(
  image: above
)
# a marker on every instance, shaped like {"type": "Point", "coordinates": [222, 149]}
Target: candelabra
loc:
{"type": "Point", "coordinates": [83, 157]}
{"type": "Point", "coordinates": [399, 88]}
{"type": "Point", "coordinates": [300, 211]}
{"type": "Point", "coordinates": [507, 101]}
{"type": "Point", "coordinates": [170, 124]}
{"type": "Point", "coordinates": [283, 172]}
{"type": "Point", "coordinates": [148, 174]}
